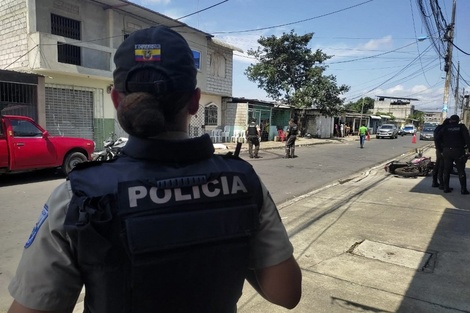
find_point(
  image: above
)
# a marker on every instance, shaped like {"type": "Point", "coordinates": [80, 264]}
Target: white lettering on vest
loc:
{"type": "Point", "coordinates": [211, 189]}
{"type": "Point", "coordinates": [156, 199]}
{"type": "Point", "coordinates": [135, 193]}
{"type": "Point", "coordinates": [206, 191]}
{"type": "Point", "coordinates": [237, 185]}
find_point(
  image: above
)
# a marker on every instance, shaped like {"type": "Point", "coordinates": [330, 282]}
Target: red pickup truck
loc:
{"type": "Point", "coordinates": [24, 146]}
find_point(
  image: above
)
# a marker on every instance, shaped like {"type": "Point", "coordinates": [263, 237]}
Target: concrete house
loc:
{"type": "Point", "coordinates": [400, 107]}
{"type": "Point", "coordinates": [71, 43]}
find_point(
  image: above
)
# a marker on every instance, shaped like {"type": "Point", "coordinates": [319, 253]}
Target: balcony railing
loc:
{"type": "Point", "coordinates": [67, 55]}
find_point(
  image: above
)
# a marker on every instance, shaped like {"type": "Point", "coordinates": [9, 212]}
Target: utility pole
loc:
{"type": "Point", "coordinates": [457, 97]}
{"type": "Point", "coordinates": [462, 102]}
{"type": "Point", "coordinates": [362, 110]}
{"type": "Point", "coordinates": [449, 37]}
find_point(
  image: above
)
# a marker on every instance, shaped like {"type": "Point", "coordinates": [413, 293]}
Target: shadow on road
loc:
{"type": "Point", "coordinates": [30, 177]}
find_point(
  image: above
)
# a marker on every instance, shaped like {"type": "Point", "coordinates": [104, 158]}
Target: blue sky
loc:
{"type": "Point", "coordinates": [373, 42]}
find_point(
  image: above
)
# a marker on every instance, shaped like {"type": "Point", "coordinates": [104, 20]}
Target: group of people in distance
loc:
{"type": "Point", "coordinates": [451, 139]}
{"type": "Point", "coordinates": [253, 133]}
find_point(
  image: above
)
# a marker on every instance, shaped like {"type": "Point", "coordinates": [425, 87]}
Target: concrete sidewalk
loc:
{"type": "Point", "coordinates": [379, 243]}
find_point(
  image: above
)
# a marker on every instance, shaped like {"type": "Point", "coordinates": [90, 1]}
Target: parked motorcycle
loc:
{"type": "Point", "coordinates": [112, 148]}
{"type": "Point", "coordinates": [419, 166]}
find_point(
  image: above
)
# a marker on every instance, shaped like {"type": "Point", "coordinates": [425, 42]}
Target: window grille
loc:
{"type": "Point", "coordinates": [18, 99]}
{"type": "Point", "coordinates": [69, 54]}
{"type": "Point", "coordinates": [67, 27]}
{"type": "Point", "coordinates": [210, 114]}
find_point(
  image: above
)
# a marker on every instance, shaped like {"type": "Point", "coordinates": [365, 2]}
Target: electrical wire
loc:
{"type": "Point", "coordinates": [372, 56]}
{"type": "Point", "coordinates": [398, 73]}
{"type": "Point", "coordinates": [292, 23]}
{"type": "Point", "coordinates": [202, 10]}
{"type": "Point", "coordinates": [20, 57]}
{"type": "Point", "coordinates": [466, 53]}
{"type": "Point", "coordinates": [416, 36]}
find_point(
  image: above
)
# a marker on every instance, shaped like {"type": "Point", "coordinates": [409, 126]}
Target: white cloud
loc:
{"type": "Point", "coordinates": [421, 89]}
{"type": "Point", "coordinates": [394, 90]}
{"type": "Point", "coordinates": [378, 44]}
{"type": "Point", "coordinates": [343, 50]}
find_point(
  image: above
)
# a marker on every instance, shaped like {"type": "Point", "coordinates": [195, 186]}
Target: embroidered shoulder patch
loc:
{"type": "Point", "coordinates": [42, 217]}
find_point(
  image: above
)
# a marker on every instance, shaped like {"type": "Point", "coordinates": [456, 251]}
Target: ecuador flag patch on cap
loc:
{"type": "Point", "coordinates": [147, 53]}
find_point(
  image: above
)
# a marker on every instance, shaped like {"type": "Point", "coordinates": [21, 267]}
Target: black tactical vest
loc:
{"type": "Point", "coordinates": [252, 130]}
{"type": "Point", "coordinates": [163, 237]}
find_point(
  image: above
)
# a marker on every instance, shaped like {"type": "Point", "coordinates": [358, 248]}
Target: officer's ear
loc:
{"type": "Point", "coordinates": [193, 105]}
{"type": "Point", "coordinates": [116, 97]}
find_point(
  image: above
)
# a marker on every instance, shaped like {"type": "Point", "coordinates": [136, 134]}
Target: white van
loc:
{"type": "Point", "coordinates": [409, 129]}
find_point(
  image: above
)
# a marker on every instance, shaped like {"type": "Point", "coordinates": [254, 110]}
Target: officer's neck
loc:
{"type": "Point", "coordinates": [172, 135]}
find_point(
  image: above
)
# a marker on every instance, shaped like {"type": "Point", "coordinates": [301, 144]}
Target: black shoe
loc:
{"type": "Point", "coordinates": [286, 157]}
{"type": "Point", "coordinates": [257, 157]}
{"type": "Point", "coordinates": [441, 187]}
{"type": "Point", "coordinates": [435, 184]}
{"type": "Point", "coordinates": [464, 191]}
{"type": "Point", "coordinates": [448, 190]}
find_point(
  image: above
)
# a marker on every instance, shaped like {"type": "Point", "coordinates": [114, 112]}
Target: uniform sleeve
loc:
{"type": "Point", "coordinates": [466, 136]}
{"type": "Point", "coordinates": [271, 245]}
{"type": "Point", "coordinates": [47, 277]}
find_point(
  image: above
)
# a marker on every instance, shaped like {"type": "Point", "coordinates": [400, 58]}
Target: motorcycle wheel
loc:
{"type": "Point", "coordinates": [408, 171]}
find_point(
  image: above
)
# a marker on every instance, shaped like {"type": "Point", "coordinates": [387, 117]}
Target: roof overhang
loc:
{"type": "Point", "coordinates": [151, 17]}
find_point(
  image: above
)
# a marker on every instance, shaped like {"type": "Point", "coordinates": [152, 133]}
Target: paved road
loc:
{"type": "Point", "coordinates": [322, 164]}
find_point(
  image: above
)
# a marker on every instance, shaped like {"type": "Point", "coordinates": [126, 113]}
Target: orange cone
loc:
{"type": "Point", "coordinates": [414, 139]}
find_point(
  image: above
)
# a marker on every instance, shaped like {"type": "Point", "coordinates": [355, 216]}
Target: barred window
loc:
{"type": "Point", "coordinates": [69, 54]}
{"type": "Point", "coordinates": [210, 114]}
{"type": "Point", "coordinates": [67, 27]}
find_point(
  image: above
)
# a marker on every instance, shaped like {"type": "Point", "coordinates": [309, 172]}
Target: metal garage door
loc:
{"type": "Point", "coordinates": [69, 111]}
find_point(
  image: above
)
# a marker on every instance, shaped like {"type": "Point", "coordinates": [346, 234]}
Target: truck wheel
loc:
{"type": "Point", "coordinates": [71, 160]}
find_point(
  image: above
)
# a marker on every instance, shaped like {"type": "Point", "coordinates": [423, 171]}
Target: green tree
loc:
{"type": "Point", "coordinates": [418, 116]}
{"type": "Point", "coordinates": [357, 106]}
{"type": "Point", "coordinates": [290, 72]}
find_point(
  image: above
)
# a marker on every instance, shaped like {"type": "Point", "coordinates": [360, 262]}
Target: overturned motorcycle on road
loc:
{"type": "Point", "coordinates": [418, 166]}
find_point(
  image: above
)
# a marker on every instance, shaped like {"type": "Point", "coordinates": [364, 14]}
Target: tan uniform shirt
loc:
{"type": "Point", "coordinates": [48, 278]}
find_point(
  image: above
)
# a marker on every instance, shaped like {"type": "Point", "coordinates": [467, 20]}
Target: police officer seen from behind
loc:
{"type": "Point", "coordinates": [452, 140]}
{"type": "Point", "coordinates": [291, 136]}
{"type": "Point", "coordinates": [166, 227]}
{"type": "Point", "coordinates": [438, 172]}
{"type": "Point", "coordinates": [252, 134]}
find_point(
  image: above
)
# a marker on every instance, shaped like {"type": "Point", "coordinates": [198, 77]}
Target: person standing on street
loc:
{"type": "Point", "coordinates": [173, 227]}
{"type": "Point", "coordinates": [363, 132]}
{"type": "Point", "coordinates": [291, 136]}
{"type": "Point", "coordinates": [453, 139]}
{"type": "Point", "coordinates": [438, 172]}
{"type": "Point", "coordinates": [252, 134]}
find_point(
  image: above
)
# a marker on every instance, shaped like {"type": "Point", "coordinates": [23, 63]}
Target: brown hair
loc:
{"type": "Point", "coordinates": [144, 114]}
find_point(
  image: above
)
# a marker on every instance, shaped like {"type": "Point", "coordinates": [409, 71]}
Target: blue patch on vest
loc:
{"type": "Point", "coordinates": [42, 218]}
